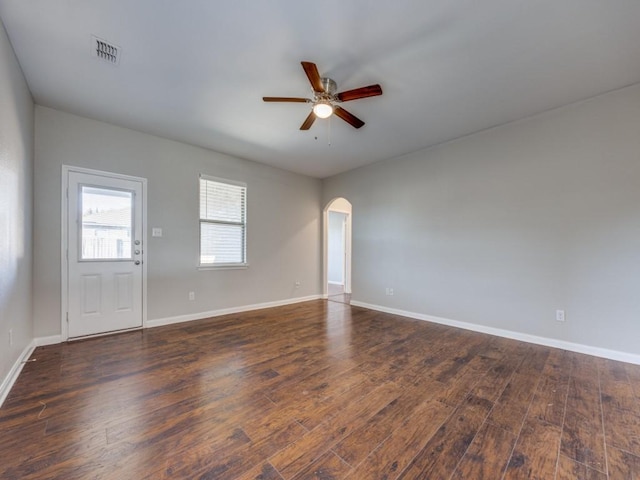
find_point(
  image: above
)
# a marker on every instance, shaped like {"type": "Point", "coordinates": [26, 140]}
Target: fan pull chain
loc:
{"type": "Point", "coordinates": [329, 131]}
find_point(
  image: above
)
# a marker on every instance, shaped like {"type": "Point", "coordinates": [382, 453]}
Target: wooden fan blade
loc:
{"type": "Point", "coordinates": [306, 125]}
{"type": "Point", "coordinates": [286, 99]}
{"type": "Point", "coordinates": [362, 92]}
{"type": "Point", "coordinates": [314, 77]}
{"type": "Point", "coordinates": [348, 117]}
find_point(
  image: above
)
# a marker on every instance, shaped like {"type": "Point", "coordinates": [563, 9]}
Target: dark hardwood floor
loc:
{"type": "Point", "coordinates": [319, 390]}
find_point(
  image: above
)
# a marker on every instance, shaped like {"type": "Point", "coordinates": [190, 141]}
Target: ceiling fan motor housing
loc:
{"type": "Point", "coordinates": [329, 85]}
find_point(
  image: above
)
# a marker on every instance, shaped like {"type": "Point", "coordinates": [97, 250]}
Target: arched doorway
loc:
{"type": "Point", "coordinates": [337, 250]}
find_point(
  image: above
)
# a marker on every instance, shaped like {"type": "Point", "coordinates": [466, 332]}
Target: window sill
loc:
{"type": "Point", "coordinates": [231, 266]}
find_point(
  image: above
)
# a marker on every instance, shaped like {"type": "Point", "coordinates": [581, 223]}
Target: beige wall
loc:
{"type": "Point", "coordinates": [16, 167]}
{"type": "Point", "coordinates": [283, 210]}
{"type": "Point", "coordinates": [503, 227]}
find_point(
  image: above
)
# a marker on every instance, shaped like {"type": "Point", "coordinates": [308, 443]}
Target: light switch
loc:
{"type": "Point", "coordinates": [156, 232]}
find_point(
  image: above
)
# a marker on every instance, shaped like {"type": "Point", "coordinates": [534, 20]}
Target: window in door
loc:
{"type": "Point", "coordinates": [107, 222]}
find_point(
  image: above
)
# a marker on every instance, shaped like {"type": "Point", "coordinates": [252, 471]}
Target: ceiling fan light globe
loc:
{"type": "Point", "coordinates": [323, 110]}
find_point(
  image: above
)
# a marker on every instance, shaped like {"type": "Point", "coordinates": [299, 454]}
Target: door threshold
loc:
{"type": "Point", "coordinates": [104, 334]}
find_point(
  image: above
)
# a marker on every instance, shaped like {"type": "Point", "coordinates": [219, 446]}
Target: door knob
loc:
{"type": "Point", "coordinates": [137, 262]}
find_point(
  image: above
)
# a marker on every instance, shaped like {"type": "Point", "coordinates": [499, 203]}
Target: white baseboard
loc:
{"type": "Point", "coordinates": [158, 322]}
{"type": "Point", "coordinates": [524, 337]}
{"type": "Point", "coordinates": [13, 374]}
{"type": "Point", "coordinates": [16, 368]}
{"type": "Point", "coordinates": [336, 283]}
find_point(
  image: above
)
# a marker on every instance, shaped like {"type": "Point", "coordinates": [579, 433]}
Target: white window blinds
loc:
{"type": "Point", "coordinates": [223, 222]}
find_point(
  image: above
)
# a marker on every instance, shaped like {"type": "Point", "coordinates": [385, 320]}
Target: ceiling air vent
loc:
{"type": "Point", "coordinates": [104, 50]}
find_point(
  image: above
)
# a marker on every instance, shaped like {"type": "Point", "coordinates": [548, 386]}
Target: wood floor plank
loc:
{"type": "Point", "coordinates": [493, 382]}
{"type": "Point", "coordinates": [301, 453]}
{"type": "Point", "coordinates": [569, 469]}
{"type": "Point", "coordinates": [356, 447]}
{"type": "Point", "coordinates": [633, 373]}
{"type": "Point", "coordinates": [584, 367]}
{"type": "Point", "coordinates": [186, 416]}
{"type": "Point", "coordinates": [262, 471]}
{"type": "Point", "coordinates": [329, 466]}
{"type": "Point", "coordinates": [167, 454]}
{"type": "Point", "coordinates": [441, 454]}
{"type": "Point", "coordinates": [207, 463]}
{"type": "Point", "coordinates": [534, 360]}
{"type": "Point", "coordinates": [622, 429]}
{"type": "Point", "coordinates": [512, 405]}
{"type": "Point", "coordinates": [333, 400]}
{"type": "Point", "coordinates": [308, 410]}
{"type": "Point", "coordinates": [322, 390]}
{"type": "Point", "coordinates": [488, 455]}
{"type": "Point", "coordinates": [550, 399]}
{"type": "Point", "coordinates": [620, 396]}
{"type": "Point", "coordinates": [623, 465]}
{"type": "Point", "coordinates": [615, 387]}
{"type": "Point", "coordinates": [583, 431]}
{"type": "Point", "coordinates": [396, 452]}
{"type": "Point", "coordinates": [341, 376]}
{"type": "Point", "coordinates": [456, 363]}
{"type": "Point", "coordinates": [536, 452]}
{"type": "Point", "coordinates": [60, 457]}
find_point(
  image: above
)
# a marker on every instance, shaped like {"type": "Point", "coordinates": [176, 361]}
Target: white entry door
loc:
{"type": "Point", "coordinates": [104, 253]}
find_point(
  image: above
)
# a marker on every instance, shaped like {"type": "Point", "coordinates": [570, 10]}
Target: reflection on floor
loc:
{"type": "Point", "coordinates": [336, 294]}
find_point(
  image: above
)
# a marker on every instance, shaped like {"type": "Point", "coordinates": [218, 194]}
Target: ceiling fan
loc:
{"type": "Point", "coordinates": [325, 98]}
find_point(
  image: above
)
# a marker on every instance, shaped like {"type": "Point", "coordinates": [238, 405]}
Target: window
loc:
{"type": "Point", "coordinates": [107, 221]}
{"type": "Point", "coordinates": [223, 222]}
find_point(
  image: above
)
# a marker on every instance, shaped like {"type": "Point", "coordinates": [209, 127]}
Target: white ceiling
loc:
{"type": "Point", "coordinates": [195, 70]}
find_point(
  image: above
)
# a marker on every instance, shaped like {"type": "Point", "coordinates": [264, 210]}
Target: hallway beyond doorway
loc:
{"type": "Point", "coordinates": [336, 294]}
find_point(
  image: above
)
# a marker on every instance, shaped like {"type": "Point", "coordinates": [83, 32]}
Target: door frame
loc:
{"type": "Point", "coordinates": [325, 244]}
{"type": "Point", "coordinates": [64, 264]}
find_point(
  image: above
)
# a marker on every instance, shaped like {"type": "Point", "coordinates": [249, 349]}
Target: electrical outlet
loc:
{"type": "Point", "coordinates": [560, 316]}
{"type": "Point", "coordinates": [297, 284]}
{"type": "Point", "coordinates": [389, 291]}
{"type": "Point", "coordinates": [11, 337]}
{"type": "Point", "coordinates": [192, 295]}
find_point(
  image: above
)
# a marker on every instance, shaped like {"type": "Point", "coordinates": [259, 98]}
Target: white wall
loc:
{"type": "Point", "coordinates": [503, 227]}
{"type": "Point", "coordinates": [284, 219]}
{"type": "Point", "coordinates": [16, 169]}
{"type": "Point", "coordinates": [336, 244]}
